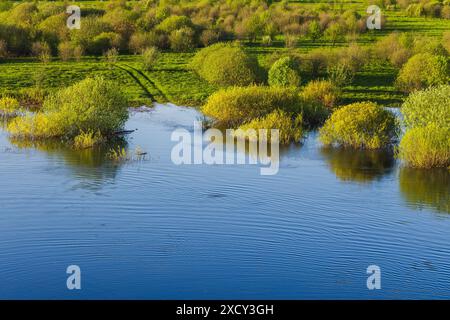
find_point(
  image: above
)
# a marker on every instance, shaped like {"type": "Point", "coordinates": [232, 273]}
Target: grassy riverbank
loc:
{"type": "Point", "coordinates": [171, 79]}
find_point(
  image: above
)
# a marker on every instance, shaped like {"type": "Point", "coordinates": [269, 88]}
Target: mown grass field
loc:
{"type": "Point", "coordinates": [171, 80]}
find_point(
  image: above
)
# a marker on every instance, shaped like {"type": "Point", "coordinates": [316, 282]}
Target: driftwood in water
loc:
{"type": "Point", "coordinates": [118, 133]}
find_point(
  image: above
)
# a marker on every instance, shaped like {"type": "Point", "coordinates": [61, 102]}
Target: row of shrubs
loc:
{"type": "Point", "coordinates": [426, 142]}
{"type": "Point", "coordinates": [429, 8]}
{"type": "Point", "coordinates": [93, 109]}
{"type": "Point", "coordinates": [418, 8]}
{"type": "Point", "coordinates": [228, 64]}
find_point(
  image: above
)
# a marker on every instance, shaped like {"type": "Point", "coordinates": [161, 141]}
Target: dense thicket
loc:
{"type": "Point", "coordinates": [172, 24]}
{"type": "Point", "coordinates": [426, 142]}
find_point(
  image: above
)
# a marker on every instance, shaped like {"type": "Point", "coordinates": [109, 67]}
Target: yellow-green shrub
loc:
{"type": "Point", "coordinates": [426, 147]}
{"type": "Point", "coordinates": [426, 106]}
{"type": "Point", "coordinates": [226, 65]}
{"type": "Point", "coordinates": [289, 126]}
{"type": "Point", "coordinates": [8, 106]}
{"type": "Point", "coordinates": [321, 91]}
{"type": "Point", "coordinates": [93, 104]}
{"type": "Point", "coordinates": [87, 139]}
{"type": "Point", "coordinates": [360, 125]}
{"type": "Point", "coordinates": [236, 105]}
{"type": "Point", "coordinates": [284, 72]}
{"type": "Point", "coordinates": [421, 71]}
{"type": "Point", "coordinates": [38, 126]}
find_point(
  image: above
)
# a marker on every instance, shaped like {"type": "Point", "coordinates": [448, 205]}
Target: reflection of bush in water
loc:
{"type": "Point", "coordinates": [422, 187]}
{"type": "Point", "coordinates": [358, 165]}
{"type": "Point", "coordinates": [92, 164]}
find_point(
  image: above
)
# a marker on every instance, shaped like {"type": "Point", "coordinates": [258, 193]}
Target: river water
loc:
{"type": "Point", "coordinates": [149, 229]}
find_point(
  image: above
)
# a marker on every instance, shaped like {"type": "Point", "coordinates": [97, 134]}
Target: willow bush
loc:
{"type": "Point", "coordinates": [421, 71]}
{"type": "Point", "coordinates": [93, 104]}
{"type": "Point", "coordinates": [426, 142]}
{"type": "Point", "coordinates": [426, 106]}
{"type": "Point", "coordinates": [285, 73]}
{"type": "Point", "coordinates": [289, 126]}
{"type": "Point", "coordinates": [426, 147]}
{"type": "Point", "coordinates": [9, 106]}
{"type": "Point", "coordinates": [226, 64]}
{"type": "Point", "coordinates": [360, 125]}
{"type": "Point", "coordinates": [236, 105]}
{"type": "Point", "coordinates": [323, 92]}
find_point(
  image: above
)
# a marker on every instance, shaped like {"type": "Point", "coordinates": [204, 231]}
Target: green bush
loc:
{"type": "Point", "coordinates": [321, 91]}
{"type": "Point", "coordinates": [87, 139]}
{"type": "Point", "coordinates": [8, 106]}
{"type": "Point", "coordinates": [198, 61]}
{"type": "Point", "coordinates": [104, 42]}
{"type": "Point", "coordinates": [236, 105]}
{"type": "Point", "coordinates": [426, 106]}
{"type": "Point", "coordinates": [182, 40]}
{"type": "Point", "coordinates": [423, 70]}
{"type": "Point", "coordinates": [426, 147]}
{"type": "Point", "coordinates": [150, 57]}
{"type": "Point", "coordinates": [37, 126]}
{"type": "Point", "coordinates": [360, 125]}
{"type": "Point", "coordinates": [284, 73]}
{"type": "Point", "coordinates": [341, 75]}
{"type": "Point", "coordinates": [42, 51]}
{"type": "Point", "coordinates": [226, 65]}
{"type": "Point", "coordinates": [67, 51]}
{"type": "Point", "coordinates": [93, 104]}
{"type": "Point", "coordinates": [289, 126]}
{"type": "Point", "coordinates": [139, 41]}
{"type": "Point", "coordinates": [173, 23]}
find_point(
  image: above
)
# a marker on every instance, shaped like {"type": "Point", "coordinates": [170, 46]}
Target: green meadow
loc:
{"type": "Point", "coordinates": [171, 79]}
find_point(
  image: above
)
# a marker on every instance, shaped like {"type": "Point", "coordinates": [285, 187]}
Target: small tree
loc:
{"type": "Point", "coordinates": [314, 31]}
{"type": "Point", "coordinates": [42, 51]}
{"type": "Point", "coordinates": [173, 23]}
{"type": "Point", "coordinates": [340, 75]}
{"type": "Point", "coordinates": [209, 37]}
{"type": "Point", "coordinates": [226, 64]}
{"type": "Point", "coordinates": [150, 57]}
{"type": "Point", "coordinates": [426, 106]}
{"type": "Point", "coordinates": [138, 42]}
{"type": "Point", "coordinates": [91, 105]}
{"type": "Point", "coordinates": [112, 56]}
{"type": "Point", "coordinates": [335, 32]}
{"type": "Point", "coordinates": [421, 71]}
{"type": "Point", "coordinates": [182, 40]}
{"type": "Point", "coordinates": [284, 72]}
{"type": "Point", "coordinates": [78, 53]}
{"type": "Point", "coordinates": [65, 51]}
{"type": "Point", "coordinates": [290, 40]}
